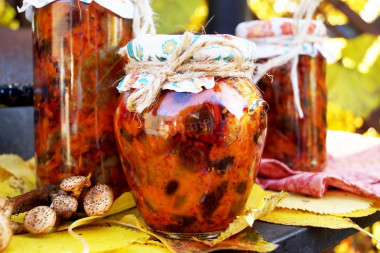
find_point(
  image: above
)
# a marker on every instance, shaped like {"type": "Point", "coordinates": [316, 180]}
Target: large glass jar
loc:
{"type": "Point", "coordinates": [76, 67]}
{"type": "Point", "coordinates": [295, 139]}
{"type": "Point", "coordinates": [191, 158]}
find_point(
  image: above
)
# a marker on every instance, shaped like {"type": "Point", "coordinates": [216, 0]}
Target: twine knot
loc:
{"type": "Point", "coordinates": [143, 18]}
{"type": "Point", "coordinates": [180, 66]}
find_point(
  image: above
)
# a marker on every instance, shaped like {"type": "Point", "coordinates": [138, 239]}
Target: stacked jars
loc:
{"type": "Point", "coordinates": [297, 97]}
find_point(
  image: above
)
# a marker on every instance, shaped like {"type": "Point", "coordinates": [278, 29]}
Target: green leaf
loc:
{"type": "Point", "coordinates": [347, 86]}
{"type": "Point", "coordinates": [173, 15]}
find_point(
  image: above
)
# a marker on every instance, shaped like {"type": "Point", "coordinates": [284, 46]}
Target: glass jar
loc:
{"type": "Point", "coordinates": [192, 158]}
{"type": "Point", "coordinates": [76, 67]}
{"type": "Point", "coordinates": [295, 139]}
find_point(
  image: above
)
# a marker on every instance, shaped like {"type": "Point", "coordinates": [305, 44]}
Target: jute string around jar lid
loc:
{"type": "Point", "coordinates": [143, 18]}
{"type": "Point", "coordinates": [180, 67]}
{"type": "Point", "coordinates": [304, 12]}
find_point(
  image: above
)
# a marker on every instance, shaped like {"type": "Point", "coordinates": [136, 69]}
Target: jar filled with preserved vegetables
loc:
{"type": "Point", "coordinates": [190, 127]}
{"type": "Point", "coordinates": [295, 90]}
{"type": "Point", "coordinates": [76, 67]}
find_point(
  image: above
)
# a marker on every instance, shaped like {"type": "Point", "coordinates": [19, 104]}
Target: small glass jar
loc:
{"type": "Point", "coordinates": [298, 141]}
{"type": "Point", "coordinates": [76, 67]}
{"type": "Point", "coordinates": [191, 158]}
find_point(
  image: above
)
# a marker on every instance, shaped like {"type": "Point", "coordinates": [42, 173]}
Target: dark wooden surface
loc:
{"type": "Point", "coordinates": [16, 136]}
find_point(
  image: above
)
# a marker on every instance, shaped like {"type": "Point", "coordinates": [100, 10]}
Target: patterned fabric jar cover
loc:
{"type": "Point", "coordinates": [123, 8]}
{"type": "Point", "coordinates": [261, 29]}
{"type": "Point", "coordinates": [158, 48]}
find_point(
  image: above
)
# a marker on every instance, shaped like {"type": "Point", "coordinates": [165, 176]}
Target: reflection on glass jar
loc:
{"type": "Point", "coordinates": [298, 142]}
{"type": "Point", "coordinates": [191, 159]}
{"type": "Point", "coordinates": [75, 71]}
{"type": "Point", "coordinates": [296, 94]}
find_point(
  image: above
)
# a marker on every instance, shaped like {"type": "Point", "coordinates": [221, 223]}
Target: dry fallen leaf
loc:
{"type": "Point", "coordinates": [149, 246]}
{"type": "Point", "coordinates": [31, 163]}
{"type": "Point", "coordinates": [122, 203]}
{"type": "Point", "coordinates": [99, 238]}
{"type": "Point", "coordinates": [359, 213]}
{"type": "Point", "coordinates": [303, 218]}
{"type": "Point", "coordinates": [376, 205]}
{"type": "Point", "coordinates": [246, 240]}
{"type": "Point", "coordinates": [240, 242]}
{"type": "Point", "coordinates": [17, 166]}
{"type": "Point", "coordinates": [4, 174]}
{"type": "Point", "coordinates": [18, 217]}
{"type": "Point", "coordinates": [16, 177]}
{"type": "Point", "coordinates": [333, 202]}
{"type": "Point", "coordinates": [256, 195]}
{"type": "Point", "coordinates": [248, 217]}
{"type": "Point", "coordinates": [106, 234]}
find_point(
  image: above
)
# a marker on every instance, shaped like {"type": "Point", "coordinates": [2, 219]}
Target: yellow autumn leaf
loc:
{"type": "Point", "coordinates": [15, 186]}
{"type": "Point", "coordinates": [16, 177]}
{"type": "Point", "coordinates": [31, 163]}
{"type": "Point", "coordinates": [267, 204]}
{"type": "Point", "coordinates": [6, 191]}
{"type": "Point", "coordinates": [359, 213]}
{"type": "Point", "coordinates": [285, 216]}
{"type": "Point", "coordinates": [247, 240]}
{"type": "Point", "coordinates": [333, 202]}
{"type": "Point", "coordinates": [248, 217]}
{"type": "Point", "coordinates": [303, 218]}
{"type": "Point", "coordinates": [124, 202]}
{"type": "Point", "coordinates": [4, 174]}
{"type": "Point", "coordinates": [150, 247]}
{"type": "Point", "coordinates": [144, 229]}
{"type": "Point", "coordinates": [130, 219]}
{"type": "Point", "coordinates": [17, 166]}
{"type": "Point", "coordinates": [99, 238]}
{"type": "Point", "coordinates": [256, 195]}
{"type": "Point", "coordinates": [19, 218]}
{"type": "Point", "coordinates": [376, 205]}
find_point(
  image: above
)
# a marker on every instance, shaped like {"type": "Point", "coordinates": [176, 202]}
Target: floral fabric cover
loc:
{"type": "Point", "coordinates": [123, 8]}
{"type": "Point", "coordinates": [261, 29]}
{"type": "Point", "coordinates": [158, 48]}
{"type": "Point", "coordinates": [353, 165]}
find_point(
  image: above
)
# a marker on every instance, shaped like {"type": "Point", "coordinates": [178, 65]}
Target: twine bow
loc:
{"type": "Point", "coordinates": [179, 67]}
{"type": "Point", "coordinates": [305, 11]}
